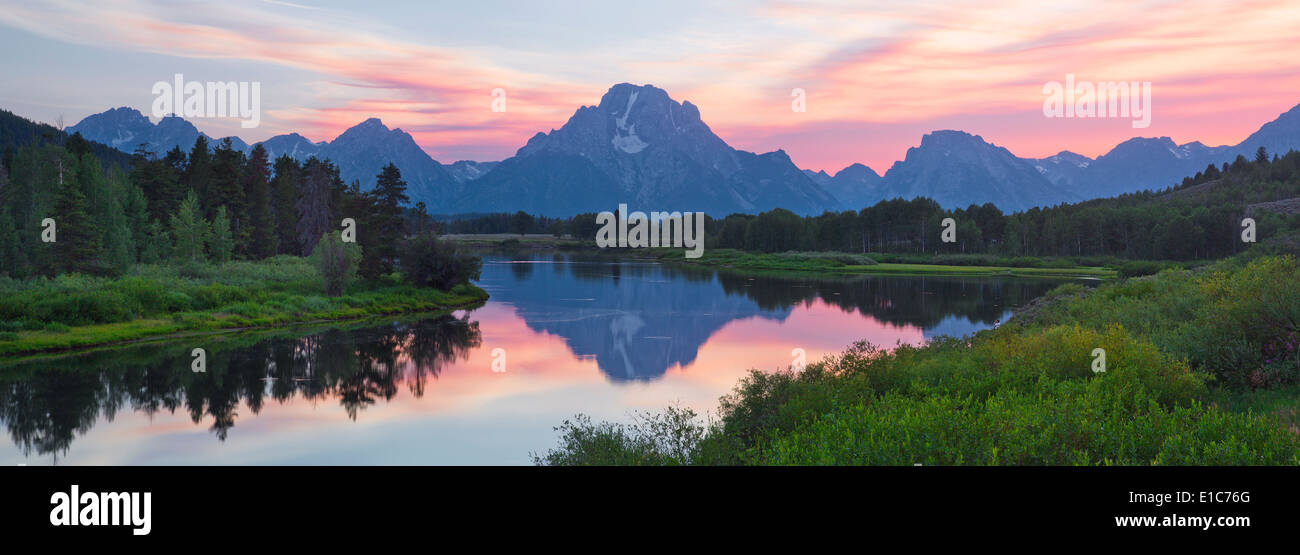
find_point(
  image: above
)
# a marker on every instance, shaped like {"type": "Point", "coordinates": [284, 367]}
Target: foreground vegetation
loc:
{"type": "Point", "coordinates": [1201, 368]}
{"type": "Point", "coordinates": [73, 310]}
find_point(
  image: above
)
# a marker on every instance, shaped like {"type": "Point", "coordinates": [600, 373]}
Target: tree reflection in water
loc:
{"type": "Point", "coordinates": [45, 404]}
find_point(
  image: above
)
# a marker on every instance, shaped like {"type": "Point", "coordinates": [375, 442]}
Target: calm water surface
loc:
{"type": "Point", "coordinates": [560, 336]}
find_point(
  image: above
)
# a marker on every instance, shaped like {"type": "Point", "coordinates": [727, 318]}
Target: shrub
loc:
{"type": "Point", "coordinates": [336, 261]}
{"type": "Point", "coordinates": [428, 262]}
{"type": "Point", "coordinates": [845, 258]}
{"type": "Point", "coordinates": [315, 304]}
{"type": "Point", "coordinates": [1234, 320]}
{"type": "Point", "coordinates": [1246, 332]}
{"type": "Point", "coordinates": [669, 438]}
{"type": "Point", "coordinates": [1137, 268]}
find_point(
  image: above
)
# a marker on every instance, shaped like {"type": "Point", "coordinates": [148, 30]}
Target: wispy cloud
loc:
{"type": "Point", "coordinates": [1219, 69]}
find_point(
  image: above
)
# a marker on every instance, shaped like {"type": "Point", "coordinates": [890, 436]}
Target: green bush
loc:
{"type": "Point", "coordinates": [1136, 268]}
{"type": "Point", "coordinates": [428, 262]}
{"type": "Point", "coordinates": [1247, 331]}
{"type": "Point", "coordinates": [315, 304]}
{"type": "Point", "coordinates": [1233, 320]}
{"type": "Point", "coordinates": [669, 438]}
{"type": "Point", "coordinates": [337, 261]}
{"type": "Point", "coordinates": [845, 258]}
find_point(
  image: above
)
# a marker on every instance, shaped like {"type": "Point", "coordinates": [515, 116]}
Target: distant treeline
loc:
{"type": "Point", "coordinates": [1198, 219]}
{"type": "Point", "coordinates": [503, 222]}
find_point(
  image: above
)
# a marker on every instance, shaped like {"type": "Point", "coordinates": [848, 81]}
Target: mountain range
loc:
{"type": "Point", "coordinates": [958, 169]}
{"type": "Point", "coordinates": [640, 147]}
{"type": "Point", "coordinates": [1155, 163]}
{"type": "Point", "coordinates": [360, 152]}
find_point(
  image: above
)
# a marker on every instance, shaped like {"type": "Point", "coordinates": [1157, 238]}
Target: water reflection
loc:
{"type": "Point", "coordinates": [639, 320]}
{"type": "Point", "coordinates": [582, 335]}
{"type": "Point", "coordinates": [45, 404]}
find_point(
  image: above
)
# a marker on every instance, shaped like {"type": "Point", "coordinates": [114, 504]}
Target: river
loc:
{"type": "Point", "coordinates": [561, 335]}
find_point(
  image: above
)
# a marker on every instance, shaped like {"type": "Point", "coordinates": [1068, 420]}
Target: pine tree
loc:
{"type": "Point", "coordinates": [77, 145]}
{"type": "Point", "coordinates": [261, 222]}
{"type": "Point", "coordinates": [119, 239]}
{"type": "Point", "coordinates": [157, 248]}
{"type": "Point", "coordinates": [222, 243]}
{"type": "Point", "coordinates": [37, 174]}
{"type": "Point", "coordinates": [198, 174]}
{"type": "Point", "coordinates": [9, 244]}
{"type": "Point", "coordinates": [77, 239]}
{"type": "Point", "coordinates": [135, 206]}
{"type": "Point", "coordinates": [360, 206]}
{"type": "Point", "coordinates": [313, 203]}
{"type": "Point", "coordinates": [420, 219]}
{"type": "Point", "coordinates": [228, 191]}
{"type": "Point", "coordinates": [386, 226]}
{"type": "Point", "coordinates": [189, 230]}
{"type": "Point", "coordinates": [284, 193]}
{"type": "Point", "coordinates": [119, 249]}
{"type": "Point", "coordinates": [160, 181]}
{"type": "Point", "coordinates": [521, 222]}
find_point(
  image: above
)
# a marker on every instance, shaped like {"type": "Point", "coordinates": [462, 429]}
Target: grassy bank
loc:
{"type": "Point", "coordinates": [514, 240]}
{"type": "Point", "coordinates": [825, 262]}
{"type": "Point", "coordinates": [849, 263]}
{"type": "Point", "coordinates": [76, 311]}
{"type": "Point", "coordinates": [1201, 368]}
{"type": "Point", "coordinates": [150, 351]}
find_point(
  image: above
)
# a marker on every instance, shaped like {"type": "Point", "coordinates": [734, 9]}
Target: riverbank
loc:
{"type": "Point", "coordinates": [820, 262]}
{"type": "Point", "coordinates": [214, 341]}
{"type": "Point", "coordinates": [1196, 368]}
{"type": "Point", "coordinates": [73, 312]}
{"type": "Point", "coordinates": [849, 264]}
{"type": "Point", "coordinates": [513, 240]}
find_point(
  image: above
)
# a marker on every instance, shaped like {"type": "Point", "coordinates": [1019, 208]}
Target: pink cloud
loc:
{"type": "Point", "coordinates": [877, 76]}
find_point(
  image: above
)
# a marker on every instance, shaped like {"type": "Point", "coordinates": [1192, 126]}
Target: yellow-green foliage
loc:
{"type": "Point", "coordinates": [1236, 321]}
{"type": "Point", "coordinates": [1026, 393]}
{"type": "Point", "coordinates": [1007, 398]}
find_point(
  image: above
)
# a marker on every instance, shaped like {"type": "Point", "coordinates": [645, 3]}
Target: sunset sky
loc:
{"type": "Point", "coordinates": [877, 74]}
